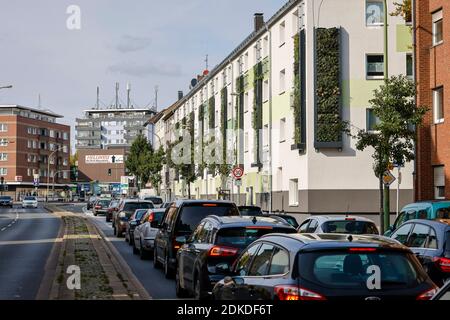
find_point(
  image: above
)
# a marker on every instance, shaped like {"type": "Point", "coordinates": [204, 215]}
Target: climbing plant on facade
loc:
{"type": "Point", "coordinates": [258, 77]}
{"type": "Point", "coordinates": [297, 92]}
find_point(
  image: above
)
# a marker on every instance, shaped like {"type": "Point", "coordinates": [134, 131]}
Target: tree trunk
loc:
{"type": "Point", "coordinates": [189, 190]}
{"type": "Point", "coordinates": [381, 205]}
{"type": "Point", "coordinates": [387, 208]}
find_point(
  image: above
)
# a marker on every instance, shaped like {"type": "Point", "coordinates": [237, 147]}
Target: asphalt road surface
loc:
{"type": "Point", "coordinates": [152, 279]}
{"type": "Point", "coordinates": [26, 240]}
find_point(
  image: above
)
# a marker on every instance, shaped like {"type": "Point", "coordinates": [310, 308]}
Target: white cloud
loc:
{"type": "Point", "coordinates": [131, 43]}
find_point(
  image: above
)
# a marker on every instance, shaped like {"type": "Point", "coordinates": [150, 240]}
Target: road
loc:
{"type": "Point", "coordinates": [152, 279]}
{"type": "Point", "coordinates": [26, 240]}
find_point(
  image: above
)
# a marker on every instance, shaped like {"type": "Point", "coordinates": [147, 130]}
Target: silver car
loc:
{"type": "Point", "coordinates": [29, 202]}
{"type": "Point", "coordinates": [338, 224]}
{"type": "Point", "coordinates": [145, 233]}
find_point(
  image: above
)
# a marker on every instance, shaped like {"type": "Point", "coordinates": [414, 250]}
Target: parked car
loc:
{"type": "Point", "coordinates": [145, 233]}
{"type": "Point", "coordinates": [6, 201]}
{"type": "Point", "coordinates": [428, 210]}
{"type": "Point", "coordinates": [113, 206]}
{"type": "Point", "coordinates": [214, 245]}
{"type": "Point", "coordinates": [284, 217]}
{"type": "Point", "coordinates": [29, 202]}
{"type": "Point", "coordinates": [250, 211]}
{"type": "Point", "coordinates": [430, 242]}
{"type": "Point", "coordinates": [166, 205]}
{"type": "Point", "coordinates": [132, 223]}
{"type": "Point", "coordinates": [157, 201]}
{"type": "Point", "coordinates": [91, 202]}
{"type": "Point", "coordinates": [325, 267]}
{"type": "Point", "coordinates": [126, 208]}
{"type": "Point", "coordinates": [443, 294]}
{"type": "Point", "coordinates": [338, 224]}
{"type": "Point", "coordinates": [179, 221]}
{"type": "Point", "coordinates": [101, 206]}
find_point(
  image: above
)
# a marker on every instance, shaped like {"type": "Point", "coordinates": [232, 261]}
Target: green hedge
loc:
{"type": "Point", "coordinates": [297, 92]}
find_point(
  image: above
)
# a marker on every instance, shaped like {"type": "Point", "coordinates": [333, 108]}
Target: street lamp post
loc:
{"type": "Point", "coordinates": [48, 168]}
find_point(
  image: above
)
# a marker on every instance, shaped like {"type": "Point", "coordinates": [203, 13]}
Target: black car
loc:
{"type": "Point", "coordinates": [6, 201]}
{"type": "Point", "coordinates": [179, 221]}
{"type": "Point", "coordinates": [250, 211]}
{"type": "Point", "coordinates": [126, 208]}
{"type": "Point", "coordinates": [326, 267]}
{"type": "Point", "coordinates": [430, 242]}
{"type": "Point", "coordinates": [101, 206]}
{"type": "Point", "coordinates": [214, 245]}
{"type": "Point", "coordinates": [285, 217]}
{"type": "Point", "coordinates": [443, 294]}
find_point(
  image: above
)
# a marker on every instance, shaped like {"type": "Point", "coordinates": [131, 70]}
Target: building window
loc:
{"type": "Point", "coordinates": [374, 12]}
{"type": "Point", "coordinates": [438, 105]}
{"type": "Point", "coordinates": [29, 172]}
{"type": "Point", "coordinates": [3, 157]}
{"type": "Point", "coordinates": [3, 142]}
{"type": "Point", "coordinates": [65, 149]}
{"type": "Point", "coordinates": [438, 36]}
{"type": "Point", "coordinates": [266, 46]}
{"type": "Point", "coordinates": [283, 130]}
{"type": "Point", "coordinates": [375, 66]}
{"type": "Point", "coordinates": [3, 127]}
{"type": "Point", "coordinates": [295, 23]}
{"type": "Point", "coordinates": [246, 102]}
{"type": "Point", "coordinates": [266, 135]}
{"type": "Point", "coordinates": [246, 142]}
{"type": "Point", "coordinates": [409, 65]}
{"type": "Point", "coordinates": [246, 61]}
{"type": "Point", "coordinates": [282, 33]}
{"type": "Point", "coordinates": [3, 171]}
{"type": "Point", "coordinates": [371, 120]}
{"type": "Point", "coordinates": [266, 90]}
{"type": "Point", "coordinates": [65, 175]}
{"type": "Point", "coordinates": [280, 178]}
{"type": "Point", "coordinates": [282, 81]}
{"type": "Point", "coordinates": [52, 133]}
{"type": "Point", "coordinates": [439, 182]}
{"type": "Point", "coordinates": [293, 192]}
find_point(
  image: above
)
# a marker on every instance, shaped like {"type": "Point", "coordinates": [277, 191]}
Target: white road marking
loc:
{"type": "Point", "coordinates": [13, 222]}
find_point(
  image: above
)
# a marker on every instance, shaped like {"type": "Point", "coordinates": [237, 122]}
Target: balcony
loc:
{"type": "Point", "coordinates": [88, 137]}
{"type": "Point", "coordinates": [88, 146]}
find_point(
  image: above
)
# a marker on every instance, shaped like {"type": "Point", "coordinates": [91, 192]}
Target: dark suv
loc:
{"type": "Point", "coordinates": [126, 208]}
{"type": "Point", "coordinates": [326, 267]}
{"type": "Point", "coordinates": [214, 246]}
{"type": "Point", "coordinates": [178, 223]}
{"type": "Point", "coordinates": [6, 201]}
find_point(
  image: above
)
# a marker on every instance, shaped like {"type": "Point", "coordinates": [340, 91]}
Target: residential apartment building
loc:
{"type": "Point", "coordinates": [33, 148]}
{"type": "Point", "coordinates": [287, 87]}
{"type": "Point", "coordinates": [432, 51]}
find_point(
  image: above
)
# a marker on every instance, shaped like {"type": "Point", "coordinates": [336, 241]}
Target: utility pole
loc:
{"type": "Point", "coordinates": [386, 191]}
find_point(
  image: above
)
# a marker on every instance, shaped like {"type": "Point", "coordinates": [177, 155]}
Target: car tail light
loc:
{"type": "Point", "coordinates": [98, 207]}
{"type": "Point", "coordinates": [443, 264]}
{"type": "Point", "coordinates": [175, 244]}
{"type": "Point", "coordinates": [350, 219]}
{"type": "Point", "coordinates": [286, 292]}
{"type": "Point", "coordinates": [362, 249]}
{"type": "Point", "coordinates": [209, 205]}
{"type": "Point", "coordinates": [151, 217]}
{"type": "Point", "coordinates": [218, 251]}
{"type": "Point", "coordinates": [427, 295]}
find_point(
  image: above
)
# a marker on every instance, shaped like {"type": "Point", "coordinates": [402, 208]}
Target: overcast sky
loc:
{"type": "Point", "coordinates": [144, 42]}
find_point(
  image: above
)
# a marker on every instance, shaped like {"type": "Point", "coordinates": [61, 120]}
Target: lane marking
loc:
{"type": "Point", "coordinates": [12, 222]}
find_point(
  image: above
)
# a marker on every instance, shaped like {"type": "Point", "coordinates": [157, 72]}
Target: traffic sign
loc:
{"type": "Point", "coordinates": [238, 182]}
{"type": "Point", "coordinates": [388, 178]}
{"type": "Point", "coordinates": [237, 172]}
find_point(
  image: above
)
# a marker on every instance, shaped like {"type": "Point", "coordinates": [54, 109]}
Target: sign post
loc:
{"type": "Point", "coordinates": [238, 173]}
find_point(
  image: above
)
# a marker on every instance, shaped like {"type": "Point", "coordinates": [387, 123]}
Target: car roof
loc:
{"type": "Point", "coordinates": [249, 207]}
{"type": "Point", "coordinates": [340, 218]}
{"type": "Point", "coordinates": [181, 202]}
{"type": "Point", "coordinates": [326, 241]}
{"type": "Point", "coordinates": [436, 204]}
{"type": "Point", "coordinates": [248, 221]}
{"type": "Point", "coordinates": [432, 223]}
{"type": "Point", "coordinates": [135, 201]}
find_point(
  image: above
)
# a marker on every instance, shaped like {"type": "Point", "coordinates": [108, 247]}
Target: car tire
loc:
{"type": "Point", "coordinates": [168, 273]}
{"type": "Point", "coordinates": [199, 292]}
{"type": "Point", "coordinates": [179, 291]}
{"type": "Point", "coordinates": [156, 263]}
{"type": "Point", "coordinates": [95, 214]}
{"type": "Point", "coordinates": [135, 250]}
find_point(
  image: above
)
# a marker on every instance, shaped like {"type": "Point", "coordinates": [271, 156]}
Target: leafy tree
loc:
{"type": "Point", "coordinates": [393, 137]}
{"type": "Point", "coordinates": [138, 160]}
{"type": "Point", "coordinates": [404, 9]}
{"type": "Point", "coordinates": [155, 165]}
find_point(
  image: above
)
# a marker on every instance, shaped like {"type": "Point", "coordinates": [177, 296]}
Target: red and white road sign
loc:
{"type": "Point", "coordinates": [237, 172]}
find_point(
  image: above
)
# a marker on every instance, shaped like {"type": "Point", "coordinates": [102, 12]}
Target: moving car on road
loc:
{"type": "Point", "coordinates": [30, 202]}
{"type": "Point", "coordinates": [101, 206]}
{"type": "Point", "coordinates": [338, 224]}
{"type": "Point", "coordinates": [250, 211]}
{"type": "Point", "coordinates": [325, 267]}
{"type": "Point", "coordinates": [157, 201]}
{"type": "Point", "coordinates": [179, 221]}
{"type": "Point", "coordinates": [6, 201]}
{"type": "Point", "coordinates": [132, 223]}
{"type": "Point", "coordinates": [430, 242]}
{"type": "Point", "coordinates": [427, 210]}
{"type": "Point", "coordinates": [91, 202]}
{"type": "Point", "coordinates": [113, 206]}
{"type": "Point", "coordinates": [214, 246]}
{"type": "Point", "coordinates": [126, 208]}
{"type": "Point", "coordinates": [145, 233]}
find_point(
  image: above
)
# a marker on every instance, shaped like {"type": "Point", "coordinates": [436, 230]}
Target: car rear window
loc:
{"type": "Point", "coordinates": [5, 198]}
{"type": "Point", "coordinates": [350, 227]}
{"type": "Point", "coordinates": [131, 207]}
{"type": "Point", "coordinates": [192, 214]}
{"type": "Point", "coordinates": [250, 211]}
{"type": "Point", "coordinates": [104, 202]}
{"type": "Point", "coordinates": [241, 237]}
{"type": "Point", "coordinates": [292, 221]}
{"type": "Point", "coordinates": [443, 213]}
{"type": "Point", "coordinates": [158, 215]}
{"type": "Point", "coordinates": [155, 200]}
{"type": "Point", "coordinates": [345, 269]}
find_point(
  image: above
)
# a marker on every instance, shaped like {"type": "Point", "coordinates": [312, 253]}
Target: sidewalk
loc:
{"type": "Point", "coordinates": [104, 276]}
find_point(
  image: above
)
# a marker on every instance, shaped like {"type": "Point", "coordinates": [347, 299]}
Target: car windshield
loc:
{"type": "Point", "coordinates": [350, 227]}
{"type": "Point", "coordinates": [5, 198]}
{"type": "Point", "coordinates": [113, 204]}
{"type": "Point", "coordinates": [131, 207]}
{"type": "Point", "coordinates": [29, 198]}
{"type": "Point", "coordinates": [103, 203]}
{"type": "Point", "coordinates": [443, 213]}
{"type": "Point", "coordinates": [250, 211]}
{"type": "Point", "coordinates": [192, 214]}
{"type": "Point", "coordinates": [345, 269]}
{"type": "Point", "coordinates": [241, 237]}
{"type": "Point", "coordinates": [155, 200]}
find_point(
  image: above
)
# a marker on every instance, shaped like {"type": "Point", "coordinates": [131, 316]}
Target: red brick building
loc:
{"type": "Point", "coordinates": [432, 55]}
{"type": "Point", "coordinates": [33, 145]}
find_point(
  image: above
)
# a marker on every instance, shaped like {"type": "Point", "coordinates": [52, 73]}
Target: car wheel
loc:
{"type": "Point", "coordinates": [168, 273]}
{"type": "Point", "coordinates": [199, 293]}
{"type": "Point", "coordinates": [95, 214]}
{"type": "Point", "coordinates": [180, 292]}
{"type": "Point", "coordinates": [156, 263]}
{"type": "Point", "coordinates": [135, 250]}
